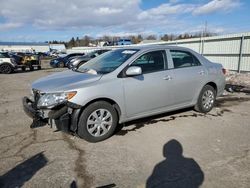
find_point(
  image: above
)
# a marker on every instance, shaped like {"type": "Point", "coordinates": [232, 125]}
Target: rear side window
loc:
{"type": "Point", "coordinates": [4, 55]}
{"type": "Point", "coordinates": [151, 61]}
{"type": "Point", "coordinates": [183, 59]}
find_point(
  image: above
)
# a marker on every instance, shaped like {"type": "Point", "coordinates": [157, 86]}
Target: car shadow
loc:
{"type": "Point", "coordinates": [175, 170]}
{"type": "Point", "coordinates": [230, 101]}
{"type": "Point", "coordinates": [224, 103]}
{"type": "Point", "coordinates": [19, 71]}
{"type": "Point", "coordinates": [139, 123]}
{"type": "Point", "coordinates": [23, 172]}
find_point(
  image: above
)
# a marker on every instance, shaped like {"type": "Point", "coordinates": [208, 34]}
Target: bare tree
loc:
{"type": "Point", "coordinates": [151, 37]}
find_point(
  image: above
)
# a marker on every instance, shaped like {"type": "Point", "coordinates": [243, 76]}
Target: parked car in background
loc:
{"type": "Point", "coordinates": [124, 42]}
{"type": "Point", "coordinates": [17, 58]}
{"type": "Point", "coordinates": [109, 43]}
{"type": "Point", "coordinates": [29, 60]}
{"type": "Point", "coordinates": [7, 63]}
{"type": "Point", "coordinates": [123, 85]}
{"type": "Point", "coordinates": [62, 61]}
{"type": "Point", "coordinates": [12, 61]}
{"type": "Point", "coordinates": [71, 59]}
{"type": "Point", "coordinates": [42, 54]}
{"type": "Point", "coordinates": [78, 61]}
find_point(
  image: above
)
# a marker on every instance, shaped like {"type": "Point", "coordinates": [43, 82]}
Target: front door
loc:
{"type": "Point", "coordinates": [151, 90]}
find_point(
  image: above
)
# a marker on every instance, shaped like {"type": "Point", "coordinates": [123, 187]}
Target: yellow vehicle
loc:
{"type": "Point", "coordinates": [30, 61]}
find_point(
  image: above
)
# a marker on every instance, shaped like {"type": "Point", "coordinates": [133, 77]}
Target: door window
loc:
{"type": "Point", "coordinates": [151, 62]}
{"type": "Point", "coordinates": [4, 55]}
{"type": "Point", "coordinates": [183, 59]}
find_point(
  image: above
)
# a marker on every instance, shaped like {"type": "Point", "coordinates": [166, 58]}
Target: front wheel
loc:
{"type": "Point", "coordinates": [206, 99]}
{"type": "Point", "coordinates": [98, 121]}
{"type": "Point", "coordinates": [6, 68]}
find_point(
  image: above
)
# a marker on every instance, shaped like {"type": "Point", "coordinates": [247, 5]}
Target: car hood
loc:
{"type": "Point", "coordinates": [64, 81]}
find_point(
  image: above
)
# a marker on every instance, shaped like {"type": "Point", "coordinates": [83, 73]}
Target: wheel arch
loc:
{"type": "Point", "coordinates": [8, 63]}
{"type": "Point", "coordinates": [214, 85]}
{"type": "Point", "coordinates": [210, 83]}
{"type": "Point", "coordinates": [111, 101]}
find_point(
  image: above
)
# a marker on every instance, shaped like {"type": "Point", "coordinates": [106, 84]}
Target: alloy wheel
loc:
{"type": "Point", "coordinates": [99, 122]}
{"type": "Point", "coordinates": [208, 99]}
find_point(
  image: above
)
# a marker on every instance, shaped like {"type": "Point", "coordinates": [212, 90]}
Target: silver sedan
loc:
{"type": "Point", "coordinates": [123, 85]}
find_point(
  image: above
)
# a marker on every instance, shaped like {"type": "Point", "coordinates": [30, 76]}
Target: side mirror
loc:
{"type": "Point", "coordinates": [134, 71]}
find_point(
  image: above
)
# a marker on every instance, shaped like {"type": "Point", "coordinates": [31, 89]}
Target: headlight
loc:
{"type": "Point", "coordinates": [50, 100]}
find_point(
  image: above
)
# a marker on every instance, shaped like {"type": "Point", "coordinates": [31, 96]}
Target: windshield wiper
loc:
{"type": "Point", "coordinates": [85, 70]}
{"type": "Point", "coordinates": [82, 71]}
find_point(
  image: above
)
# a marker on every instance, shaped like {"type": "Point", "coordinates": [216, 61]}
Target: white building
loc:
{"type": "Point", "coordinates": [24, 46]}
{"type": "Point", "coordinates": [57, 47]}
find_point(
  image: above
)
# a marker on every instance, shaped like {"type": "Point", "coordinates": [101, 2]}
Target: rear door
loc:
{"type": "Point", "coordinates": [188, 76]}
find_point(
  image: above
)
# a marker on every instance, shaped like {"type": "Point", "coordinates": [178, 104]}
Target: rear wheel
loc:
{"type": "Point", "coordinates": [39, 67]}
{"type": "Point", "coordinates": [206, 99]}
{"type": "Point", "coordinates": [98, 121]}
{"type": "Point", "coordinates": [6, 68]}
{"type": "Point", "coordinates": [23, 68]}
{"type": "Point", "coordinates": [61, 65]}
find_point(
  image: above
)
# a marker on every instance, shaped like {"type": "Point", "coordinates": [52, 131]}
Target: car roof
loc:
{"type": "Point", "coordinates": [155, 46]}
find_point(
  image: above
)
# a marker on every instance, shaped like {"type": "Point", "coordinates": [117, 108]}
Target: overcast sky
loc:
{"type": "Point", "coordinates": [41, 20]}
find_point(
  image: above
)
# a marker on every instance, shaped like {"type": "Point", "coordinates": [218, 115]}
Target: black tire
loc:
{"type": "Point", "coordinates": [31, 67]}
{"type": "Point", "coordinates": [6, 68]}
{"type": "Point", "coordinates": [207, 90]}
{"type": "Point", "coordinates": [39, 67]}
{"type": "Point", "coordinates": [60, 64]}
{"type": "Point", "coordinates": [23, 68]}
{"type": "Point", "coordinates": [86, 114]}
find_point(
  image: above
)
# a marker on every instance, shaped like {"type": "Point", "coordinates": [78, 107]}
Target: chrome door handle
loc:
{"type": "Point", "coordinates": [167, 77]}
{"type": "Point", "coordinates": [202, 72]}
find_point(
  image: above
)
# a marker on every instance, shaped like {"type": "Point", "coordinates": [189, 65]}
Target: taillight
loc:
{"type": "Point", "coordinates": [224, 71]}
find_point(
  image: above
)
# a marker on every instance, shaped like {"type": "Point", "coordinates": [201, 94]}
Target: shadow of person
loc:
{"type": "Point", "coordinates": [23, 172]}
{"type": "Point", "coordinates": [175, 170]}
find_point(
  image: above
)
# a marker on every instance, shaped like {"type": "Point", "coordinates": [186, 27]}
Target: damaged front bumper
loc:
{"type": "Point", "coordinates": [64, 116]}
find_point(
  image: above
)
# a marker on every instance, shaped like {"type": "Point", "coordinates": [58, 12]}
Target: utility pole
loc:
{"type": "Point", "coordinates": [203, 34]}
{"type": "Point", "coordinates": [205, 29]}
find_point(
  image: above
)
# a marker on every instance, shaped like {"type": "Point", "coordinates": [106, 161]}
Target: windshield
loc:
{"type": "Point", "coordinates": [108, 61]}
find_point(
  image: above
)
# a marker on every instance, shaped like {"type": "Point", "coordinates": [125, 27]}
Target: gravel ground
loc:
{"type": "Point", "coordinates": [182, 148]}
